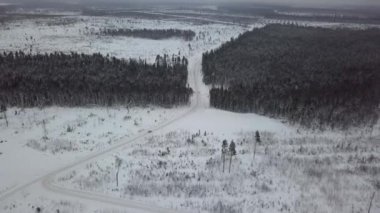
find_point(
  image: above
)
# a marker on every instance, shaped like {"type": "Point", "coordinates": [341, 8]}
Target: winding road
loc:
{"type": "Point", "coordinates": [199, 100]}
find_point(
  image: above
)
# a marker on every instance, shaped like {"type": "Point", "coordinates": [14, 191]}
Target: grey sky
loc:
{"type": "Point", "coordinates": [325, 2]}
{"type": "Point", "coordinates": [287, 2]}
{"type": "Point", "coordinates": [312, 2]}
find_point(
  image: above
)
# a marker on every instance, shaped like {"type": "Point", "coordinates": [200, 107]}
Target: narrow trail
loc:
{"type": "Point", "coordinates": [199, 100]}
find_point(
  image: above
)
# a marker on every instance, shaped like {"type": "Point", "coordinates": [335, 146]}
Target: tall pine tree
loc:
{"type": "Point", "coordinates": [232, 152]}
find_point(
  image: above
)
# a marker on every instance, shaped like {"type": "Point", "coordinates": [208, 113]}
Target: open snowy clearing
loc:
{"type": "Point", "coordinates": [184, 170]}
{"type": "Point", "coordinates": [75, 132]}
{"type": "Point", "coordinates": [76, 32]}
{"type": "Point", "coordinates": [39, 140]}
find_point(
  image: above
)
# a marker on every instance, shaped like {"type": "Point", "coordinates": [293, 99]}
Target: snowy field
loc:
{"type": "Point", "coordinates": [82, 130]}
{"type": "Point", "coordinates": [292, 170]}
{"type": "Point", "coordinates": [178, 166]}
{"type": "Point", "coordinates": [184, 170]}
{"type": "Point", "coordinates": [40, 140]}
{"type": "Point", "coordinates": [77, 35]}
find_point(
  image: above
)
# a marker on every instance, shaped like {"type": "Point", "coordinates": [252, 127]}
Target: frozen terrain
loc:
{"type": "Point", "coordinates": [63, 159]}
{"type": "Point", "coordinates": [184, 170]}
{"type": "Point", "coordinates": [38, 140]}
{"type": "Point", "coordinates": [47, 35]}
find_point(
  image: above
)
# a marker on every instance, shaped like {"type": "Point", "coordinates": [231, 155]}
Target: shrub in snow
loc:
{"type": "Point", "coordinates": [69, 129]}
{"type": "Point", "coordinates": [222, 207]}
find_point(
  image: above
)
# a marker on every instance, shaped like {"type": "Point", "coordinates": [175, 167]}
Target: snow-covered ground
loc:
{"type": "Point", "coordinates": [183, 170]}
{"type": "Point", "coordinates": [293, 170]}
{"type": "Point", "coordinates": [82, 130]}
{"type": "Point", "coordinates": [75, 33]}
{"type": "Point", "coordinates": [179, 165]}
{"type": "Point", "coordinates": [39, 140]}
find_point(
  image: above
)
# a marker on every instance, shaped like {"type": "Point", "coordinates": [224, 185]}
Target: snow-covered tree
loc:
{"type": "Point", "coordinates": [258, 140]}
{"type": "Point", "coordinates": [3, 109]}
{"type": "Point", "coordinates": [224, 151]}
{"type": "Point", "coordinates": [231, 152]}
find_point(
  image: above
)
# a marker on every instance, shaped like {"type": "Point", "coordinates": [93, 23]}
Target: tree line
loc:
{"type": "Point", "coordinates": [74, 79]}
{"type": "Point", "coordinates": [313, 76]}
{"type": "Point", "coordinates": [156, 34]}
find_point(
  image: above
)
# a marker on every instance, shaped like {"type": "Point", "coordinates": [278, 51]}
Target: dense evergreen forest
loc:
{"type": "Point", "coordinates": [313, 76]}
{"type": "Point", "coordinates": [156, 34]}
{"type": "Point", "coordinates": [78, 79]}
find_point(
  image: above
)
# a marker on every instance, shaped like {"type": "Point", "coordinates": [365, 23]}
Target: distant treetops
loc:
{"type": "Point", "coordinates": [156, 34]}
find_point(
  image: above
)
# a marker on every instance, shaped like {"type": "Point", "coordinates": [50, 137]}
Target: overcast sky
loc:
{"type": "Point", "coordinates": [343, 2]}
{"type": "Point", "coordinates": [287, 2]}
{"type": "Point", "coordinates": [356, 2]}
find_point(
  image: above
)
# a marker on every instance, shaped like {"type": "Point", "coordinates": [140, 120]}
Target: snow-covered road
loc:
{"type": "Point", "coordinates": [198, 115]}
{"type": "Point", "coordinates": [198, 101]}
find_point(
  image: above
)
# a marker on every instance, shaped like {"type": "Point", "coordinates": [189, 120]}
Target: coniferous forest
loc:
{"type": "Point", "coordinates": [156, 34]}
{"type": "Point", "coordinates": [313, 76]}
{"type": "Point", "coordinates": [77, 79]}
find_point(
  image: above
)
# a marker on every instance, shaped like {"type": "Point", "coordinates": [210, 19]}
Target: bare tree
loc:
{"type": "Point", "coordinates": [118, 162]}
{"type": "Point", "coordinates": [370, 203]}
{"type": "Point", "coordinates": [45, 137]}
